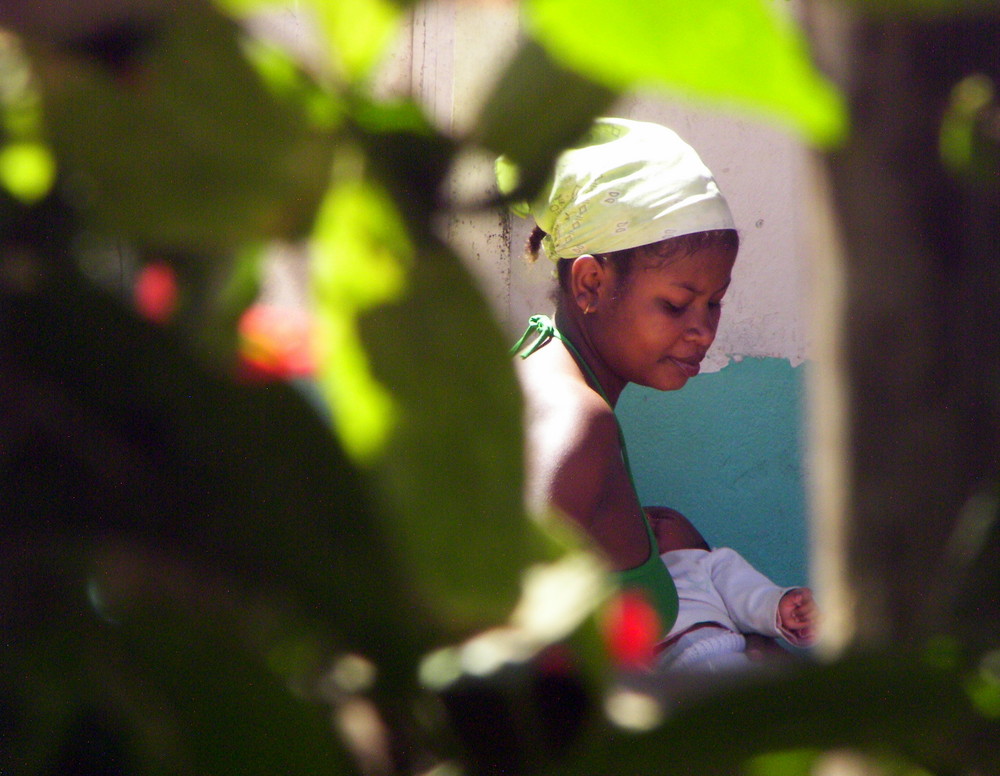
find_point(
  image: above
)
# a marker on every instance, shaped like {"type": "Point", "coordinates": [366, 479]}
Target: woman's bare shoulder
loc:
{"type": "Point", "coordinates": [557, 398]}
{"type": "Point", "coordinates": [572, 437]}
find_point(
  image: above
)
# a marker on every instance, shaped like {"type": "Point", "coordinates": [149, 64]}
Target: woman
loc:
{"type": "Point", "coordinates": [645, 245]}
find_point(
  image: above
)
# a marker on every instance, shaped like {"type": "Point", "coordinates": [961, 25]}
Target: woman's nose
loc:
{"type": "Point", "coordinates": [701, 328]}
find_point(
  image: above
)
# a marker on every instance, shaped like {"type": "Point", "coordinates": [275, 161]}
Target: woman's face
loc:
{"type": "Point", "coordinates": [654, 327]}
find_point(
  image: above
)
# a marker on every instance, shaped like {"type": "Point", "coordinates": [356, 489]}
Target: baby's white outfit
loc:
{"type": "Point", "coordinates": [718, 587]}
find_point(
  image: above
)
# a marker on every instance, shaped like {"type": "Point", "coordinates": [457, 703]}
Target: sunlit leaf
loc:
{"type": "Point", "coordinates": [27, 170]}
{"type": "Point", "coordinates": [361, 256]}
{"type": "Point", "coordinates": [743, 52]}
{"type": "Point", "coordinates": [983, 686]}
{"type": "Point", "coordinates": [443, 487]}
{"type": "Point", "coordinates": [287, 79]}
{"type": "Point", "coordinates": [241, 7]}
{"type": "Point", "coordinates": [358, 31]}
{"type": "Point", "coordinates": [407, 154]}
{"type": "Point", "coordinates": [791, 762]}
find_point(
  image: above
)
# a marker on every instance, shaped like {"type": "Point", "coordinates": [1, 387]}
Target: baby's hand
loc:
{"type": "Point", "coordinates": [797, 615]}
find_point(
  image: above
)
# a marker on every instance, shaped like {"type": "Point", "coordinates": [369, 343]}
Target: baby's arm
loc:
{"type": "Point", "coordinates": [755, 604]}
{"type": "Point", "coordinates": [797, 616]}
{"type": "Point", "coordinates": [673, 531]}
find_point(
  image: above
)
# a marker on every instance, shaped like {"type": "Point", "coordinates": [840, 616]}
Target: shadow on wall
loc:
{"type": "Point", "coordinates": [727, 451]}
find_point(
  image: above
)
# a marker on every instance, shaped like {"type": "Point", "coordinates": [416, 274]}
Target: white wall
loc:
{"type": "Point", "coordinates": [449, 57]}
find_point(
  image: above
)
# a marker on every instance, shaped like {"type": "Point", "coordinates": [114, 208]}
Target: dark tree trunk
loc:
{"type": "Point", "coordinates": [920, 325]}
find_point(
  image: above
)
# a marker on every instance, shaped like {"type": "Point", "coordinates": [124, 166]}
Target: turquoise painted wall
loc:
{"type": "Point", "coordinates": [726, 451]}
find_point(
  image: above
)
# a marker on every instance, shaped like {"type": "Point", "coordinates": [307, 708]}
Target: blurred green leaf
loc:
{"type": "Point", "coordinates": [969, 139]}
{"type": "Point", "coordinates": [157, 152]}
{"type": "Point", "coordinates": [791, 762]}
{"type": "Point", "coordinates": [231, 714]}
{"type": "Point", "coordinates": [130, 435]}
{"type": "Point", "coordinates": [43, 610]}
{"type": "Point", "coordinates": [736, 52]}
{"type": "Point", "coordinates": [406, 153]}
{"type": "Point", "coordinates": [171, 689]}
{"type": "Point", "coordinates": [983, 685]}
{"type": "Point", "coordinates": [532, 86]}
{"type": "Point", "coordinates": [442, 486]}
{"type": "Point", "coordinates": [27, 170]}
{"type": "Point", "coordinates": [451, 473]}
{"type": "Point", "coordinates": [242, 7]}
{"type": "Point", "coordinates": [892, 704]}
{"type": "Point", "coordinates": [359, 32]}
{"type": "Point", "coordinates": [289, 80]}
{"type": "Point", "coordinates": [20, 102]}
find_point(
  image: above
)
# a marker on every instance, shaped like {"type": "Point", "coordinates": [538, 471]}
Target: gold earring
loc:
{"type": "Point", "coordinates": [589, 309]}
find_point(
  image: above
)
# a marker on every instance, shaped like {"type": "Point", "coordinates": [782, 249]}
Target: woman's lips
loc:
{"type": "Point", "coordinates": [688, 368]}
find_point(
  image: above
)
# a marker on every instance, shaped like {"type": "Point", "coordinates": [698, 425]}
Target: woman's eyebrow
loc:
{"type": "Point", "coordinates": [696, 290]}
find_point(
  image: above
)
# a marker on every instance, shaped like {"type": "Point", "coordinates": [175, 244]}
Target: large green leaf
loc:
{"type": "Point", "coordinates": [452, 472]}
{"type": "Point", "coordinates": [744, 52]}
{"type": "Point", "coordinates": [232, 714]}
{"type": "Point", "coordinates": [426, 398]}
{"type": "Point", "coordinates": [154, 149]}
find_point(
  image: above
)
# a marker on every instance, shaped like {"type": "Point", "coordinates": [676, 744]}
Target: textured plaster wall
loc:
{"type": "Point", "coordinates": [727, 452]}
{"type": "Point", "coordinates": [727, 449]}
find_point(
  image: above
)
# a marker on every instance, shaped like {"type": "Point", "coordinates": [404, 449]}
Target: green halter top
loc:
{"type": "Point", "coordinates": [652, 577]}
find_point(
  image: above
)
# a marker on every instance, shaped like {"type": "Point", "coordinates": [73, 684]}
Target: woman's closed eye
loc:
{"type": "Point", "coordinates": [671, 308]}
{"type": "Point", "coordinates": [679, 309]}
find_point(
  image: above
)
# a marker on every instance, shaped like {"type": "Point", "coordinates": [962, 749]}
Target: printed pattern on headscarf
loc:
{"type": "Point", "coordinates": [628, 183]}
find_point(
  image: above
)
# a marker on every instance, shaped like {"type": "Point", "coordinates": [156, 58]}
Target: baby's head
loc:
{"type": "Point", "coordinates": [673, 531]}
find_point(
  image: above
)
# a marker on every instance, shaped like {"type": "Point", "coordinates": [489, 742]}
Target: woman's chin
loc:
{"type": "Point", "coordinates": [671, 383]}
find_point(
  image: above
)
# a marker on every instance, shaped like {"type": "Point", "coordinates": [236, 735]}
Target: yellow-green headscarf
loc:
{"type": "Point", "coordinates": [628, 183]}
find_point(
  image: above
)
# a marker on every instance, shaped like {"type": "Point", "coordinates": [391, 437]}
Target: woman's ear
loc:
{"type": "Point", "coordinates": [587, 276]}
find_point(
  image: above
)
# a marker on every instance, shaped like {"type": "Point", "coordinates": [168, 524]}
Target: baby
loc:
{"type": "Point", "coordinates": [722, 598]}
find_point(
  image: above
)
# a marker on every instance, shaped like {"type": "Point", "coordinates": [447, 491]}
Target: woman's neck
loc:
{"type": "Point", "coordinates": [573, 326]}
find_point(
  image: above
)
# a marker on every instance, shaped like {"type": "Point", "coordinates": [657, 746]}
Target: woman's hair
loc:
{"type": "Point", "coordinates": [625, 260]}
